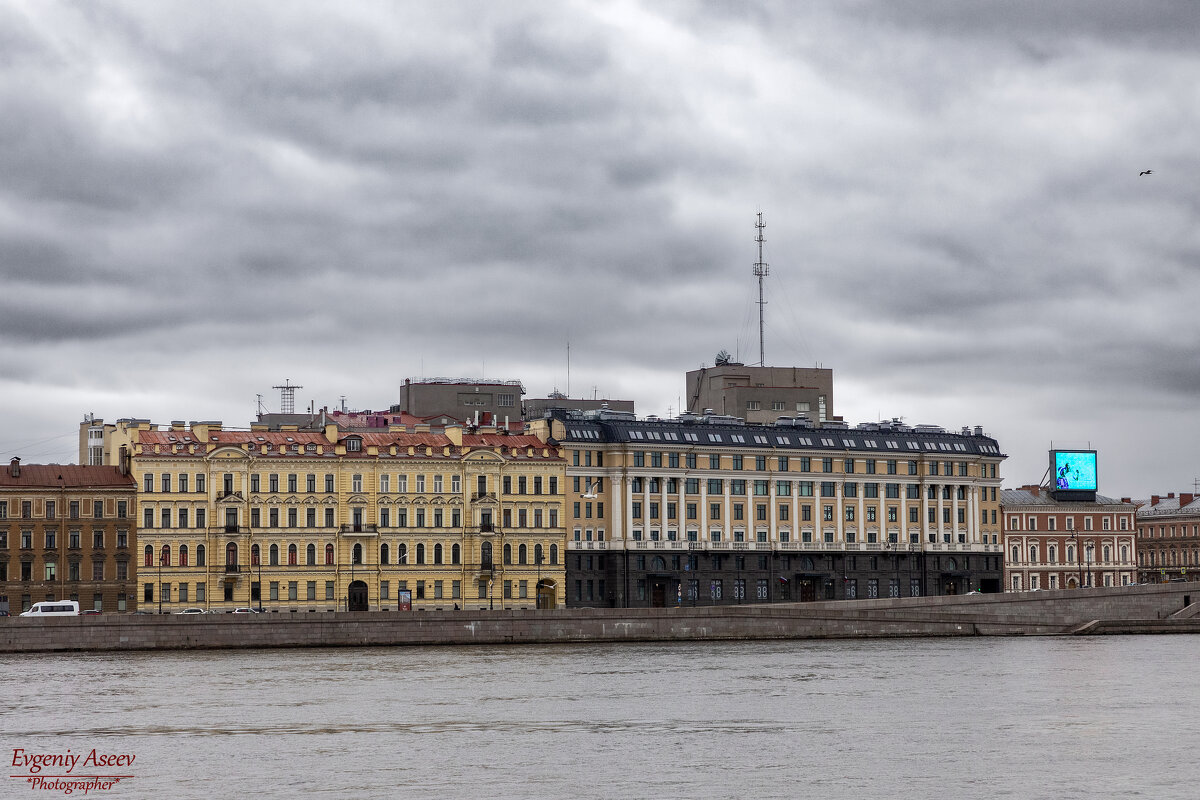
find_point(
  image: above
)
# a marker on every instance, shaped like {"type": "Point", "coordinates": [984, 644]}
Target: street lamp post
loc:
{"type": "Point", "coordinates": [537, 589]}
{"type": "Point", "coordinates": [260, 586]}
{"type": "Point", "coordinates": [1090, 547]}
{"type": "Point", "coordinates": [160, 560]}
{"type": "Point", "coordinates": [1079, 558]}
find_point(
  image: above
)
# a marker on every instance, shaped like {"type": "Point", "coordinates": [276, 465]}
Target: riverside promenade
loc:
{"type": "Point", "coordinates": [1159, 608]}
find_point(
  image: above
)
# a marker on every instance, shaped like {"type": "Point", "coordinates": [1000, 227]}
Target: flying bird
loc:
{"type": "Point", "coordinates": [1146, 172]}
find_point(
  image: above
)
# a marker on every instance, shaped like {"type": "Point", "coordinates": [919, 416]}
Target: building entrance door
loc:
{"type": "Point", "coordinates": [658, 594]}
{"type": "Point", "coordinates": [357, 598]}
{"type": "Point", "coordinates": [808, 590]}
{"type": "Point", "coordinates": [546, 597]}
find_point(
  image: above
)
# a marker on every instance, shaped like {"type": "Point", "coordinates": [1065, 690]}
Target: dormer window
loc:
{"type": "Point", "coordinates": [353, 445]}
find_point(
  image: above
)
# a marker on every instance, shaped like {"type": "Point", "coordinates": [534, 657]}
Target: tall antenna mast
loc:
{"type": "Point", "coordinates": [761, 270]}
{"type": "Point", "coordinates": [287, 397]}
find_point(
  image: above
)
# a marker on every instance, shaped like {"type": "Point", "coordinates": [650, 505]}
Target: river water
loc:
{"type": "Point", "coordinates": [919, 718]}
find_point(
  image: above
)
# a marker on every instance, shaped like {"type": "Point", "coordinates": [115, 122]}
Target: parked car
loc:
{"type": "Point", "coordinates": [88, 612]}
{"type": "Point", "coordinates": [192, 611]}
{"type": "Point", "coordinates": [244, 611]}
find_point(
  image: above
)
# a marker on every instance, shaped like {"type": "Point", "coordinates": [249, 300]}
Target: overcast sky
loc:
{"type": "Point", "coordinates": [199, 200]}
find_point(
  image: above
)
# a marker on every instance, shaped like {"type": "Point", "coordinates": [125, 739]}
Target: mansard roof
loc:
{"type": "Point", "coordinates": [886, 440]}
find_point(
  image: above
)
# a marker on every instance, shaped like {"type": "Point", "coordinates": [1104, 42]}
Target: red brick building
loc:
{"type": "Point", "coordinates": [1168, 536]}
{"type": "Point", "coordinates": [67, 532]}
{"type": "Point", "coordinates": [1053, 544]}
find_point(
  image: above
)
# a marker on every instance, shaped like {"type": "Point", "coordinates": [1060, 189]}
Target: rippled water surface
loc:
{"type": "Point", "coordinates": [962, 718]}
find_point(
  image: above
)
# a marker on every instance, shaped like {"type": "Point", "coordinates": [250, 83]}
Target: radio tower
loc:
{"type": "Point", "coordinates": [287, 397]}
{"type": "Point", "coordinates": [761, 270]}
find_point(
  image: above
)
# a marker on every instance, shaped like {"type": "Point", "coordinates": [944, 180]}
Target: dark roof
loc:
{"type": "Point", "coordinates": [900, 443]}
{"type": "Point", "coordinates": [1024, 497]}
{"type": "Point", "coordinates": [70, 476]}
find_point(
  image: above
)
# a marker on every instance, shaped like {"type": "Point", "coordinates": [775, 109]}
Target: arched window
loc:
{"type": "Point", "coordinates": [537, 554]}
{"type": "Point", "coordinates": [455, 555]}
{"type": "Point", "coordinates": [437, 554]}
{"type": "Point", "coordinates": [183, 555]}
{"type": "Point", "coordinates": [148, 559]}
{"type": "Point", "coordinates": [200, 555]}
{"type": "Point", "coordinates": [1053, 554]}
{"type": "Point", "coordinates": [402, 557]}
{"type": "Point", "coordinates": [164, 557]}
{"type": "Point", "coordinates": [329, 554]}
{"type": "Point", "coordinates": [1016, 554]}
{"type": "Point", "coordinates": [658, 564]}
{"type": "Point", "coordinates": [553, 554]}
{"type": "Point", "coordinates": [508, 554]}
{"type": "Point", "coordinates": [231, 554]}
{"type": "Point", "coordinates": [292, 555]}
{"type": "Point", "coordinates": [420, 554]}
{"type": "Point", "coordinates": [1124, 553]}
{"type": "Point", "coordinates": [485, 555]}
{"type": "Point", "coordinates": [384, 554]}
{"type": "Point", "coordinates": [1033, 554]}
{"type": "Point", "coordinates": [358, 553]}
{"type": "Point", "coordinates": [1108, 554]}
{"type": "Point", "coordinates": [521, 554]}
{"type": "Point", "coordinates": [274, 555]}
{"type": "Point", "coordinates": [310, 555]}
{"type": "Point", "coordinates": [1070, 554]}
{"type": "Point", "coordinates": [254, 555]}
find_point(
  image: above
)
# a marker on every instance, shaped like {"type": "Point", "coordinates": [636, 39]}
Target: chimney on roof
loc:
{"type": "Point", "coordinates": [14, 467]}
{"type": "Point", "coordinates": [1154, 499]}
{"type": "Point", "coordinates": [1170, 495]}
{"type": "Point", "coordinates": [1126, 499]}
{"type": "Point", "coordinates": [1186, 498]}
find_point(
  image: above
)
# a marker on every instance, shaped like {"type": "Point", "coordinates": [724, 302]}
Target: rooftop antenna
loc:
{"type": "Point", "coordinates": [568, 368]}
{"type": "Point", "coordinates": [343, 399]}
{"type": "Point", "coordinates": [261, 410]}
{"type": "Point", "coordinates": [287, 397]}
{"type": "Point", "coordinates": [761, 270]}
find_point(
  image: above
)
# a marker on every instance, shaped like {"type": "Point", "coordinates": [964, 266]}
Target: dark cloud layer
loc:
{"type": "Point", "coordinates": [203, 199]}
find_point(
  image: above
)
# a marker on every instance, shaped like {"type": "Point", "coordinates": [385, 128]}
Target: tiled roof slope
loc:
{"type": "Point", "coordinates": [71, 476]}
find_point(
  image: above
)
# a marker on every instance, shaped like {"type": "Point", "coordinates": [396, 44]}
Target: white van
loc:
{"type": "Point", "coordinates": [53, 608]}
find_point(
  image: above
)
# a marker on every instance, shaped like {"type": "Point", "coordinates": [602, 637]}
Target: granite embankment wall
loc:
{"type": "Point", "coordinates": [1134, 609]}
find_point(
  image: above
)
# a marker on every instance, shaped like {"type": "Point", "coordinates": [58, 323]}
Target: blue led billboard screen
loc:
{"type": "Point", "coordinates": [1074, 470]}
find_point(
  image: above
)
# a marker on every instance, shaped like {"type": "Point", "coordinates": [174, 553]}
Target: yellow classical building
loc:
{"type": "Point", "coordinates": [301, 520]}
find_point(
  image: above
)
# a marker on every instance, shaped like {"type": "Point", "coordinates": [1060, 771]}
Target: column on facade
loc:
{"type": "Point", "coordinates": [772, 513]}
{"type": "Point", "coordinates": [726, 515]}
{"type": "Point", "coordinates": [839, 512]}
{"type": "Point", "coordinates": [622, 499]}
